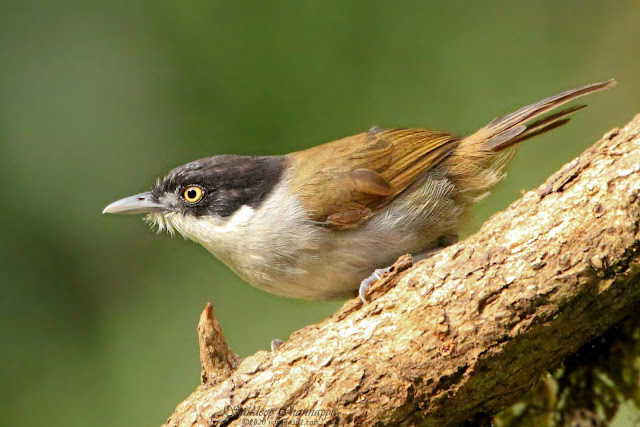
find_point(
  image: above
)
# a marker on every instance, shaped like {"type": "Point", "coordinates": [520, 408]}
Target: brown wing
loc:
{"type": "Point", "coordinates": [345, 182]}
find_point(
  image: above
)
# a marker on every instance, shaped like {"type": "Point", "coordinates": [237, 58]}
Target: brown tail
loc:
{"type": "Point", "coordinates": [476, 165]}
{"type": "Point", "coordinates": [507, 130]}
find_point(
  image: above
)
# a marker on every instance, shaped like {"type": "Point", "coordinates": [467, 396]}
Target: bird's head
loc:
{"type": "Point", "coordinates": [213, 188]}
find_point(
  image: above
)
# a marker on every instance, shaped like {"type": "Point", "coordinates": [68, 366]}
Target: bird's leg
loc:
{"type": "Point", "coordinates": [365, 285]}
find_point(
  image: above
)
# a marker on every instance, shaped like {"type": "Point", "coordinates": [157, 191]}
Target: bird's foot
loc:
{"type": "Point", "coordinates": [365, 285]}
{"type": "Point", "coordinates": [401, 264]}
{"type": "Point", "coordinates": [275, 344]}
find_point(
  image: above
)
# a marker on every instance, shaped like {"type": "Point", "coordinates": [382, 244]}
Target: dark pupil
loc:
{"type": "Point", "coordinates": [192, 194]}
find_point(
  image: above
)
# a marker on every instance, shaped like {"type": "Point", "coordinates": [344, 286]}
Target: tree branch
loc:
{"type": "Point", "coordinates": [466, 331]}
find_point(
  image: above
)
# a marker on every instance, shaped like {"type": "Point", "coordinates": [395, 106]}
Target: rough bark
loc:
{"type": "Point", "coordinates": [465, 332]}
{"type": "Point", "coordinates": [216, 358]}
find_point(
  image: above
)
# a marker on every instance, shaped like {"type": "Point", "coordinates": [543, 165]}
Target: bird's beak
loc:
{"type": "Point", "coordinates": [139, 204]}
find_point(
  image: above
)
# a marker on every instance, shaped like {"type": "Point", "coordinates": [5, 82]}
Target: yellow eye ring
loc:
{"type": "Point", "coordinates": [192, 194]}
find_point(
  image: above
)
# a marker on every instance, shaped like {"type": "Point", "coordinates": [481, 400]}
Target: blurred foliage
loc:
{"type": "Point", "coordinates": [589, 388]}
{"type": "Point", "coordinates": [98, 98]}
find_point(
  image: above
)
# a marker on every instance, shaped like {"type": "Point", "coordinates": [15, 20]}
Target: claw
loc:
{"type": "Point", "coordinates": [365, 285]}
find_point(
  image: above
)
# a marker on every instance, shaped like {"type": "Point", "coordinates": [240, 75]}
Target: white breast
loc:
{"type": "Point", "coordinates": [275, 247]}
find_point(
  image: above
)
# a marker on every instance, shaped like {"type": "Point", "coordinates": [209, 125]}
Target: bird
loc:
{"type": "Point", "coordinates": [326, 222]}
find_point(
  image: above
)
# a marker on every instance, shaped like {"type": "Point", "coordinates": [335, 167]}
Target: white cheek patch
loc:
{"type": "Point", "coordinates": [238, 220]}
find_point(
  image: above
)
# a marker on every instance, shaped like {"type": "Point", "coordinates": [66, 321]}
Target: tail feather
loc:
{"type": "Point", "coordinates": [542, 125]}
{"type": "Point", "coordinates": [504, 131]}
{"type": "Point", "coordinates": [479, 160]}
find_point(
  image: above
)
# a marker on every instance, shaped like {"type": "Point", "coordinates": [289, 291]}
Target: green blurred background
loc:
{"type": "Point", "coordinates": [97, 99]}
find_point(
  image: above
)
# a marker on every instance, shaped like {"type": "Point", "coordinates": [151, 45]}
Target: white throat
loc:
{"type": "Point", "coordinates": [218, 235]}
{"type": "Point", "coordinates": [260, 244]}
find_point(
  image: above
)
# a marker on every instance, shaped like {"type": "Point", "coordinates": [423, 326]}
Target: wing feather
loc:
{"type": "Point", "coordinates": [345, 182]}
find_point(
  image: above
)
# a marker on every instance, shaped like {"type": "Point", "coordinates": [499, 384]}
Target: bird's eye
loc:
{"type": "Point", "coordinates": [192, 194]}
